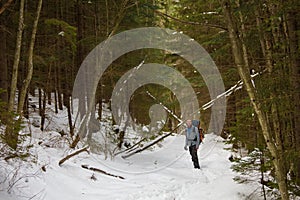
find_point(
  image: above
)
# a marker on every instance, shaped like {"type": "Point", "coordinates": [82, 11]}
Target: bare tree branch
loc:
{"type": "Point", "coordinates": [190, 22]}
{"type": "Point", "coordinates": [101, 171]}
{"type": "Point", "coordinates": [6, 5]}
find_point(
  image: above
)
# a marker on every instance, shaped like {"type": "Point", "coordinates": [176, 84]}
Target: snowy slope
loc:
{"type": "Point", "coordinates": [164, 173]}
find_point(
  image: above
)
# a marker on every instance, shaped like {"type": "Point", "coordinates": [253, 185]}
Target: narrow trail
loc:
{"type": "Point", "coordinates": [161, 173]}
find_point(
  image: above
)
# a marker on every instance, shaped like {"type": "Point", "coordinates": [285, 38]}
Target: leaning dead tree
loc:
{"type": "Point", "coordinates": [132, 151]}
{"type": "Point", "coordinates": [159, 139]}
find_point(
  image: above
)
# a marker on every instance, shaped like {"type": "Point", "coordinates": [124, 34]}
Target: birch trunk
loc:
{"type": "Point", "coordinates": [26, 83]}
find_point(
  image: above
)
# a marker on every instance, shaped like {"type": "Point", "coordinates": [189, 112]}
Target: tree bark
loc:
{"type": "Point", "coordinates": [3, 62]}
{"type": "Point", "coordinates": [55, 101]}
{"type": "Point", "coordinates": [40, 100]}
{"type": "Point", "coordinates": [43, 110]}
{"type": "Point", "coordinates": [11, 135]}
{"type": "Point", "coordinates": [14, 79]}
{"type": "Point", "coordinates": [55, 88]}
{"type": "Point", "coordinates": [244, 73]}
{"type": "Point", "coordinates": [26, 82]}
{"type": "Point", "coordinates": [58, 88]}
{"type": "Point", "coordinates": [67, 103]}
{"type": "Point", "coordinates": [80, 50]}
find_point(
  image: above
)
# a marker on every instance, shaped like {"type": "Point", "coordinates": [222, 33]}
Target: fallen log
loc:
{"type": "Point", "coordinates": [152, 143]}
{"type": "Point", "coordinates": [132, 148]}
{"type": "Point", "coordinates": [101, 171]}
{"type": "Point", "coordinates": [72, 155]}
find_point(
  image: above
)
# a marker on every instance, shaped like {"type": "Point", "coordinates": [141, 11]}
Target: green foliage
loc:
{"type": "Point", "coordinates": [67, 31]}
{"type": "Point", "coordinates": [246, 129]}
{"type": "Point", "coordinates": [252, 162]}
{"type": "Point", "coordinates": [255, 167]}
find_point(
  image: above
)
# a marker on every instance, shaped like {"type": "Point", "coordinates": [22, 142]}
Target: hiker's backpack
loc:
{"type": "Point", "coordinates": [196, 124]}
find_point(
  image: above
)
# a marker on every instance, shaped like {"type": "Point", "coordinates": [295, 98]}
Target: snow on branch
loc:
{"type": "Point", "coordinates": [166, 108]}
{"type": "Point", "coordinates": [237, 86]}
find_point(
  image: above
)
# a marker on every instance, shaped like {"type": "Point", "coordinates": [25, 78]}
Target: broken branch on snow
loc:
{"type": "Point", "coordinates": [101, 171]}
{"type": "Point", "coordinates": [72, 155]}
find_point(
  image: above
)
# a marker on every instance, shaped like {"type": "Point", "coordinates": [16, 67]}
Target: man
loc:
{"type": "Point", "coordinates": [192, 141]}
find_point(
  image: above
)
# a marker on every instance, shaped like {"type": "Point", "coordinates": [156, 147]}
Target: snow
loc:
{"type": "Point", "coordinates": [163, 172]}
{"type": "Point", "coordinates": [145, 129]}
{"type": "Point", "coordinates": [62, 33]}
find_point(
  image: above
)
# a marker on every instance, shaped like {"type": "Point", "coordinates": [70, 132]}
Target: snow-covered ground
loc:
{"type": "Point", "coordinates": [164, 172]}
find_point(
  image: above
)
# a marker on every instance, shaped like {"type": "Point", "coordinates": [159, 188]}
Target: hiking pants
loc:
{"type": "Point", "coordinates": [193, 152]}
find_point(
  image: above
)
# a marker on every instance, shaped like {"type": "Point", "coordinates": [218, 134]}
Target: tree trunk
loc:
{"type": "Point", "coordinates": [26, 82]}
{"type": "Point", "coordinates": [25, 109]}
{"type": "Point", "coordinates": [3, 62]}
{"type": "Point", "coordinates": [295, 79]}
{"type": "Point", "coordinates": [262, 167]}
{"type": "Point", "coordinates": [43, 111]}
{"type": "Point", "coordinates": [55, 101]}
{"type": "Point", "coordinates": [11, 136]}
{"type": "Point", "coordinates": [80, 50]}
{"type": "Point", "coordinates": [58, 87]}
{"type": "Point", "coordinates": [40, 101]}
{"type": "Point", "coordinates": [55, 88]}
{"type": "Point", "coordinates": [66, 99]}
{"type": "Point", "coordinates": [244, 73]}
{"type": "Point", "coordinates": [49, 98]}
{"type": "Point", "coordinates": [268, 41]}
{"type": "Point", "coordinates": [14, 79]}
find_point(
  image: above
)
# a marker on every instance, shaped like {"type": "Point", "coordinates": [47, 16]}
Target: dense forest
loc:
{"type": "Point", "coordinates": [255, 42]}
